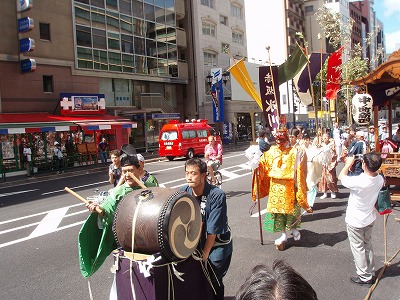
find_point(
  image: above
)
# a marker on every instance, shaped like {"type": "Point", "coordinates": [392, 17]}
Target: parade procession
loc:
{"type": "Point", "coordinates": [167, 243]}
{"type": "Point", "coordinates": [200, 150]}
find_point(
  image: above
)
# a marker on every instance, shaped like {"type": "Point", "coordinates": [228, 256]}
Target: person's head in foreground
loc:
{"type": "Point", "coordinates": [280, 283]}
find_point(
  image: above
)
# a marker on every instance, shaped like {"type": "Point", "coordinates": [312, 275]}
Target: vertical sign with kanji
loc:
{"type": "Point", "coordinates": [269, 92]}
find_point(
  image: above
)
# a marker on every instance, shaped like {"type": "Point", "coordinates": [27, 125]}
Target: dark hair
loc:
{"type": "Point", "coordinates": [282, 282]}
{"type": "Point", "coordinates": [262, 133]}
{"type": "Point", "coordinates": [115, 153]}
{"type": "Point", "coordinates": [197, 162]}
{"type": "Point", "coordinates": [373, 161]}
{"type": "Point", "coordinates": [294, 131]}
{"type": "Point", "coordinates": [129, 160]}
{"type": "Point", "coordinates": [306, 136]}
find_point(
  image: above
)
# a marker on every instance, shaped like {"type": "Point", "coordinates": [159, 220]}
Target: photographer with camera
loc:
{"type": "Point", "coordinates": [361, 213]}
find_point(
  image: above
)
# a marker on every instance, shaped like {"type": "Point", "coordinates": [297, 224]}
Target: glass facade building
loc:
{"type": "Point", "coordinates": [128, 36]}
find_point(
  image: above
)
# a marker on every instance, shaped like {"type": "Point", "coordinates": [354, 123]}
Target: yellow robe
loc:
{"type": "Point", "coordinates": [276, 176]}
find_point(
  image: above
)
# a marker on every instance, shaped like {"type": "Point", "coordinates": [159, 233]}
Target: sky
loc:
{"type": "Point", "coordinates": [388, 11]}
{"type": "Point", "coordinates": [266, 29]}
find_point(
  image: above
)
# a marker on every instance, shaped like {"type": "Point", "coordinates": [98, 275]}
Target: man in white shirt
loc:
{"type": "Point", "coordinates": [361, 214]}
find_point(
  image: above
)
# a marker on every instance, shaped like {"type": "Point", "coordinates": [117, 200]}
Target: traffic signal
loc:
{"type": "Point", "coordinates": [294, 108]}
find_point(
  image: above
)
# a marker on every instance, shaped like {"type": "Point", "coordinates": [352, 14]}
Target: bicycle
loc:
{"type": "Point", "coordinates": [217, 177]}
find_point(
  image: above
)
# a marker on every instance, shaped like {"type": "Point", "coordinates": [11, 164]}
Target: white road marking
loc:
{"type": "Point", "coordinates": [33, 215]}
{"type": "Point", "coordinates": [29, 238]}
{"type": "Point", "coordinates": [76, 187]}
{"type": "Point", "coordinates": [228, 174]}
{"type": "Point", "coordinates": [50, 222]}
{"type": "Point", "coordinates": [264, 211]}
{"type": "Point", "coordinates": [37, 223]}
{"type": "Point", "coordinates": [19, 192]}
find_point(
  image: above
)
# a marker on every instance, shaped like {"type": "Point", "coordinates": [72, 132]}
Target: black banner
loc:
{"type": "Point", "coordinates": [268, 94]}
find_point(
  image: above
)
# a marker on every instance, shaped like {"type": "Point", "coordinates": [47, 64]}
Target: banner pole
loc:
{"type": "Point", "coordinates": [259, 207]}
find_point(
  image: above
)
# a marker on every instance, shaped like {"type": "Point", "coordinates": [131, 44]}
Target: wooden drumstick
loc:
{"type": "Point", "coordinates": [98, 209]}
{"type": "Point", "coordinates": [141, 184]}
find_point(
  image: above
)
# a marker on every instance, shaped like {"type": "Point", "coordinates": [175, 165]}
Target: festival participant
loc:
{"type": "Point", "coordinates": [316, 158]}
{"type": "Point", "coordinates": [213, 156]}
{"type": "Point", "coordinates": [361, 214]}
{"type": "Point", "coordinates": [285, 183]}
{"type": "Point", "coordinates": [95, 243]}
{"type": "Point", "coordinates": [282, 282]}
{"type": "Point", "coordinates": [346, 145]}
{"type": "Point", "coordinates": [215, 241]}
{"type": "Point", "coordinates": [371, 138]}
{"type": "Point", "coordinates": [328, 179]}
{"type": "Point", "coordinates": [148, 179]}
{"type": "Point", "coordinates": [357, 149]}
{"type": "Point", "coordinates": [115, 170]}
{"type": "Point", "coordinates": [337, 137]}
{"type": "Point", "coordinates": [263, 142]}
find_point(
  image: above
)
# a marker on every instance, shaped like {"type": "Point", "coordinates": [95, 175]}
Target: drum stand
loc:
{"type": "Point", "coordinates": [387, 262]}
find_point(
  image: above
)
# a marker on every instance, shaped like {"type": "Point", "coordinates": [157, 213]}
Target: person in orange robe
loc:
{"type": "Point", "coordinates": [282, 177]}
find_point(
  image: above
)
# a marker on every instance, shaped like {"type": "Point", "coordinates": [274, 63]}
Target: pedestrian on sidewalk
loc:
{"type": "Point", "coordinates": [103, 147]}
{"type": "Point", "coordinates": [27, 158]}
{"type": "Point", "coordinates": [58, 157]}
{"type": "Point", "coordinates": [361, 214]}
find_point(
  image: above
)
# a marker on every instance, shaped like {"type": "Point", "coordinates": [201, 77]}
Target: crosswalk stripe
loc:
{"type": "Point", "coordinates": [50, 222]}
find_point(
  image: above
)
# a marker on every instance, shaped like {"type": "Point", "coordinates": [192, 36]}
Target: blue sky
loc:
{"type": "Point", "coordinates": [388, 11]}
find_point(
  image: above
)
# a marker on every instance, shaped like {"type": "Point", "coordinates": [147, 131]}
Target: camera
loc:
{"type": "Point", "coordinates": [358, 156]}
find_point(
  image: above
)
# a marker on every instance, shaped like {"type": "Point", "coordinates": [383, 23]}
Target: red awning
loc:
{"type": "Point", "coordinates": [44, 122]}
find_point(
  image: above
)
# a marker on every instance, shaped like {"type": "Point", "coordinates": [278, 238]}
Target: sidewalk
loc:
{"type": "Point", "coordinates": [13, 180]}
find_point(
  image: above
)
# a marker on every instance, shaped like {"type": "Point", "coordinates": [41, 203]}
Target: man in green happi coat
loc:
{"type": "Point", "coordinates": [96, 240]}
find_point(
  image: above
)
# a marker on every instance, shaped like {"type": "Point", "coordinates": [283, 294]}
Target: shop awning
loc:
{"type": "Point", "coordinates": [45, 122]}
{"type": "Point", "coordinates": [105, 125]}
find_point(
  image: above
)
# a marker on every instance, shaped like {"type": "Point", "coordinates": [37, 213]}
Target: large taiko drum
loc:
{"type": "Point", "coordinates": [166, 221]}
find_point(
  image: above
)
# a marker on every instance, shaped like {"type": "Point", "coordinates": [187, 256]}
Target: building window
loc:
{"type": "Point", "coordinates": [236, 11]}
{"type": "Point", "coordinates": [44, 29]}
{"type": "Point", "coordinates": [210, 59]}
{"type": "Point", "coordinates": [209, 3]}
{"type": "Point", "coordinates": [223, 20]}
{"type": "Point", "coordinates": [309, 9]}
{"type": "Point", "coordinates": [48, 84]}
{"type": "Point", "coordinates": [83, 36]}
{"type": "Point", "coordinates": [224, 47]}
{"type": "Point", "coordinates": [237, 37]}
{"type": "Point", "coordinates": [209, 29]}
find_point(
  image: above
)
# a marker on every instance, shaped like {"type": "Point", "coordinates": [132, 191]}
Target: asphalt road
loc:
{"type": "Point", "coordinates": [39, 224]}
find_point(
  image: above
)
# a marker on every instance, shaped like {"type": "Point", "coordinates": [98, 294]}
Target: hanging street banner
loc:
{"type": "Point", "coordinates": [217, 94]}
{"type": "Point", "coordinates": [268, 91]}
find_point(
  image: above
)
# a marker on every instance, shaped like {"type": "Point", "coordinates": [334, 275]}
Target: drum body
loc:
{"type": "Point", "coordinates": [164, 220]}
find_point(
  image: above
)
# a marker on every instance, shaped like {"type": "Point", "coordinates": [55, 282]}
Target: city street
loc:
{"type": "Point", "coordinates": [39, 225]}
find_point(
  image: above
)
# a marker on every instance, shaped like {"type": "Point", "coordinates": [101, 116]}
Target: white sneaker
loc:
{"type": "Point", "coordinates": [323, 196]}
{"type": "Point", "coordinates": [333, 195]}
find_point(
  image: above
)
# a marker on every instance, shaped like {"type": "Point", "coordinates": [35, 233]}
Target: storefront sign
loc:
{"type": "Point", "coordinates": [23, 5]}
{"type": "Point", "coordinates": [26, 45]}
{"type": "Point", "coordinates": [85, 102]}
{"type": "Point", "coordinates": [25, 24]}
{"type": "Point", "coordinates": [28, 65]}
{"type": "Point", "coordinates": [166, 116]}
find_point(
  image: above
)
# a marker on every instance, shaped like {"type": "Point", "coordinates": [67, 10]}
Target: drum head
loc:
{"type": "Point", "coordinates": [182, 231]}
